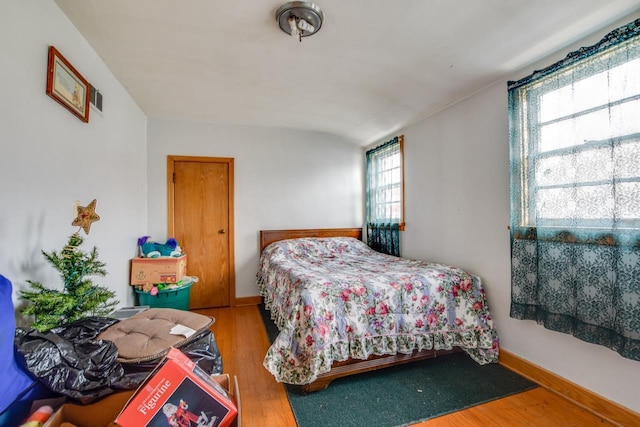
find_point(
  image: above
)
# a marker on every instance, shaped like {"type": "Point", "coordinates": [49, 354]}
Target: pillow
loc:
{"type": "Point", "coordinates": [318, 247]}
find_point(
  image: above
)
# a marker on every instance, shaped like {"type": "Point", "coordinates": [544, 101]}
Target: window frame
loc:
{"type": "Point", "coordinates": [368, 209]}
{"type": "Point", "coordinates": [530, 99]}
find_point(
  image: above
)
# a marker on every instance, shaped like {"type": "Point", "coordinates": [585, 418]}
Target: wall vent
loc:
{"type": "Point", "coordinates": [96, 99]}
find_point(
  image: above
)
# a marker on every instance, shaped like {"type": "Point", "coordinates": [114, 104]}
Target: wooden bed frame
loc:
{"type": "Point", "coordinates": [349, 366]}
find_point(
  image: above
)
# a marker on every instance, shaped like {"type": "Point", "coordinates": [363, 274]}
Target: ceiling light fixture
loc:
{"type": "Point", "coordinates": [299, 18]}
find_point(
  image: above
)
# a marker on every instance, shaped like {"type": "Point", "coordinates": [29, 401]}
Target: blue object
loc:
{"type": "Point", "coordinates": [152, 249]}
{"type": "Point", "coordinates": [17, 388]}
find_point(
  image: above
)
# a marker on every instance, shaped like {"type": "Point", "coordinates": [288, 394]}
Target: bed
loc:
{"type": "Point", "coordinates": [342, 308]}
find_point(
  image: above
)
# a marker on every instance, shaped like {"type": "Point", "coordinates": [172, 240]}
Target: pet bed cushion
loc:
{"type": "Point", "coordinates": [145, 336]}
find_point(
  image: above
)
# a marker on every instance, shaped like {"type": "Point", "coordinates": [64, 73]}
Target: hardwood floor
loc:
{"type": "Point", "coordinates": [243, 343]}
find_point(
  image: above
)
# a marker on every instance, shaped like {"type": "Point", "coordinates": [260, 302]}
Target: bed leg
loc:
{"type": "Point", "coordinates": [317, 385]}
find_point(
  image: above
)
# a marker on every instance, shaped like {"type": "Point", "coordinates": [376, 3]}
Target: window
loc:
{"type": "Point", "coordinates": [384, 184]}
{"type": "Point", "coordinates": [574, 132]}
{"type": "Point", "coordinates": [579, 146]}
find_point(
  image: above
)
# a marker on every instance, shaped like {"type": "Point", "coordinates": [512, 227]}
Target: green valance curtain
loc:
{"type": "Point", "coordinates": [574, 131]}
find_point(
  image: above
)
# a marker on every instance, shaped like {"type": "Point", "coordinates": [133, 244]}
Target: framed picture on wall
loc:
{"type": "Point", "coordinates": [67, 86]}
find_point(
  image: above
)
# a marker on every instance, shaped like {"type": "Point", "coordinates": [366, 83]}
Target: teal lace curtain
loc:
{"type": "Point", "coordinates": [575, 194]}
{"type": "Point", "coordinates": [384, 197]}
{"type": "Point", "coordinates": [384, 238]}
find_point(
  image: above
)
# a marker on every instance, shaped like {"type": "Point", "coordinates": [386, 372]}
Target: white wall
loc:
{"type": "Point", "coordinates": [457, 212]}
{"type": "Point", "coordinates": [284, 179]}
{"type": "Point", "coordinates": [457, 206]}
{"type": "Point", "coordinates": [49, 158]}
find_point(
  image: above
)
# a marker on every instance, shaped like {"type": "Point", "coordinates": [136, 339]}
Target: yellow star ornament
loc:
{"type": "Point", "coordinates": [86, 216]}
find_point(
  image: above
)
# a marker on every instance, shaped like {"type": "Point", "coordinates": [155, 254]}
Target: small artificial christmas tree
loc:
{"type": "Point", "coordinates": [80, 297]}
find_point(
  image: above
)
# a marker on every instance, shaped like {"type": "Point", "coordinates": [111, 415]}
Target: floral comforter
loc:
{"type": "Point", "coordinates": [335, 298]}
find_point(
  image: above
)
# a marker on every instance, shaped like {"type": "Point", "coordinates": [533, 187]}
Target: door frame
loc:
{"type": "Point", "coordinates": [171, 160]}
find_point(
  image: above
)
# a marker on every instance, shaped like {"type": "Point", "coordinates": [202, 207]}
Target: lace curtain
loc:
{"type": "Point", "coordinates": [575, 194]}
{"type": "Point", "coordinates": [384, 197]}
{"type": "Point", "coordinates": [384, 238]}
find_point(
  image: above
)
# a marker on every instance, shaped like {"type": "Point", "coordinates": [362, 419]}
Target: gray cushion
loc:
{"type": "Point", "coordinates": [145, 336]}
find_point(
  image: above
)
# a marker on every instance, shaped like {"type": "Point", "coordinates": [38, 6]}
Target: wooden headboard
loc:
{"type": "Point", "coordinates": [269, 236]}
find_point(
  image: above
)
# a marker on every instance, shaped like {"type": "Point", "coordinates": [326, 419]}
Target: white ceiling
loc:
{"type": "Point", "coordinates": [375, 66]}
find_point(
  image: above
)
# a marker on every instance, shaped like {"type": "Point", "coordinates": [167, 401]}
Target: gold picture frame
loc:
{"type": "Point", "coordinates": [67, 86]}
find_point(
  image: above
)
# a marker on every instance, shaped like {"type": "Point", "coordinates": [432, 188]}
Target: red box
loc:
{"type": "Point", "coordinates": [103, 412]}
{"type": "Point", "coordinates": [179, 391]}
{"type": "Point", "coordinates": [158, 270]}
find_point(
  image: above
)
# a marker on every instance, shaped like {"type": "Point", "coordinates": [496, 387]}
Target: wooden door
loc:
{"type": "Point", "coordinates": [200, 215]}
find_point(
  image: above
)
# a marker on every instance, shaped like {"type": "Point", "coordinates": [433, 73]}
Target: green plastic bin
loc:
{"type": "Point", "coordinates": [177, 298]}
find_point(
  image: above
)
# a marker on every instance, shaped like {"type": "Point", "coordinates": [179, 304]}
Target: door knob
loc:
{"type": "Point", "coordinates": [222, 231]}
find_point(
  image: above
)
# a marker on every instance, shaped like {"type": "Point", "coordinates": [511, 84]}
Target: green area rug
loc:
{"type": "Point", "coordinates": [402, 395]}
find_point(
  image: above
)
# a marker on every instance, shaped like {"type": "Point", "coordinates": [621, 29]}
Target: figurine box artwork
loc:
{"type": "Point", "coordinates": [179, 393]}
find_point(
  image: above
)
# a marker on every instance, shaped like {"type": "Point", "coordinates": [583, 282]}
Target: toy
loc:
{"type": "Point", "coordinates": [155, 288]}
{"type": "Point", "coordinates": [152, 288]}
{"type": "Point", "coordinates": [151, 249]}
{"type": "Point", "coordinates": [179, 416]}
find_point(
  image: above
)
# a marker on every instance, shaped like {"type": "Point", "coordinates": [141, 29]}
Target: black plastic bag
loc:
{"type": "Point", "coordinates": [70, 360]}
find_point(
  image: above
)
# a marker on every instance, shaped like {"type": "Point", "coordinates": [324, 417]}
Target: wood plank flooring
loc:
{"type": "Point", "coordinates": [243, 343]}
